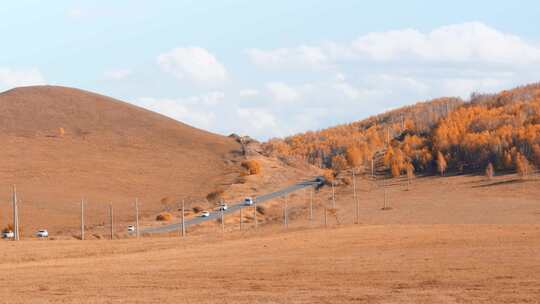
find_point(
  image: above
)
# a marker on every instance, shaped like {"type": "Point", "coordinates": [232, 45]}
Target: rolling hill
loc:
{"type": "Point", "coordinates": [61, 144]}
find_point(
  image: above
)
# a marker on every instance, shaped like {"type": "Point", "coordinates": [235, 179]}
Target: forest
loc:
{"type": "Point", "coordinates": [497, 132]}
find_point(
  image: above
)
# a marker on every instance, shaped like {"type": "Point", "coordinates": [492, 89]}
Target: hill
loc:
{"type": "Point", "coordinates": [445, 134]}
{"type": "Point", "coordinates": [61, 144]}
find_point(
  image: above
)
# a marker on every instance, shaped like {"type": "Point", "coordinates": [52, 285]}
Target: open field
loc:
{"type": "Point", "coordinates": [468, 245]}
{"type": "Point", "coordinates": [352, 264]}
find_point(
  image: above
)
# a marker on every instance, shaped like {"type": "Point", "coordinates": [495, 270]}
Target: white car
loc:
{"type": "Point", "coordinates": [43, 233]}
{"type": "Point", "coordinates": [8, 234]}
{"type": "Point", "coordinates": [248, 201]}
{"type": "Point", "coordinates": [131, 228]}
{"type": "Point", "coordinates": [205, 214]}
{"type": "Point", "coordinates": [223, 207]}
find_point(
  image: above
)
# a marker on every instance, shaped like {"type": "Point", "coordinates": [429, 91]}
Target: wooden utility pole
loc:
{"type": "Point", "coordinates": [137, 217]}
{"type": "Point", "coordinates": [183, 219]}
{"type": "Point", "coordinates": [325, 217]}
{"type": "Point", "coordinates": [222, 220]}
{"type": "Point", "coordinates": [111, 219]}
{"type": "Point", "coordinates": [333, 195]}
{"type": "Point", "coordinates": [285, 220]}
{"type": "Point", "coordinates": [241, 219]}
{"type": "Point", "coordinates": [255, 215]}
{"type": "Point", "coordinates": [372, 167]}
{"type": "Point", "coordinates": [82, 219]}
{"type": "Point", "coordinates": [15, 215]}
{"type": "Point", "coordinates": [311, 204]}
{"type": "Point", "coordinates": [355, 196]}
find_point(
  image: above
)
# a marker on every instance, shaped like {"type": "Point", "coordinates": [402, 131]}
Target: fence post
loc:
{"type": "Point", "coordinates": [325, 217]}
{"type": "Point", "coordinates": [333, 195]}
{"type": "Point", "coordinates": [355, 197]}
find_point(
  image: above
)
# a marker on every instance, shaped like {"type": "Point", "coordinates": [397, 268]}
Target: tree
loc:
{"type": "Point", "coordinates": [490, 171]}
{"type": "Point", "coordinates": [339, 163]}
{"type": "Point", "coordinates": [522, 165]}
{"type": "Point", "coordinates": [441, 163]}
{"type": "Point", "coordinates": [354, 157]}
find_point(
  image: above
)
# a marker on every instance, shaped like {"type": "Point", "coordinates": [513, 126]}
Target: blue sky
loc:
{"type": "Point", "coordinates": [271, 68]}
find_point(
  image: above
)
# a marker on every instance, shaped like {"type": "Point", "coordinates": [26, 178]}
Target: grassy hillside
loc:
{"type": "Point", "coordinates": [61, 144]}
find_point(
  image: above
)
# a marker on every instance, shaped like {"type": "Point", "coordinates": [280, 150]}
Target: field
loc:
{"type": "Point", "coordinates": [446, 240]}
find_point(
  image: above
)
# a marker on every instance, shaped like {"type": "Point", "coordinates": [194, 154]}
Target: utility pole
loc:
{"type": "Point", "coordinates": [111, 220]}
{"type": "Point", "coordinates": [311, 204]}
{"type": "Point", "coordinates": [241, 219]}
{"type": "Point", "coordinates": [137, 217]}
{"type": "Point", "coordinates": [355, 196]}
{"type": "Point", "coordinates": [183, 219]}
{"type": "Point", "coordinates": [255, 215]}
{"type": "Point", "coordinates": [333, 195]}
{"type": "Point", "coordinates": [285, 222]}
{"type": "Point", "coordinates": [325, 217]}
{"type": "Point", "coordinates": [82, 219]}
{"type": "Point", "coordinates": [15, 215]}
{"type": "Point", "coordinates": [222, 221]}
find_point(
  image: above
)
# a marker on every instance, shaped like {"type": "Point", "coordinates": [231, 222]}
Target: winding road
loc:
{"type": "Point", "coordinates": [316, 182]}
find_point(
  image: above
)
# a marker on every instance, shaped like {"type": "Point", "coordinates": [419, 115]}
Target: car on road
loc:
{"type": "Point", "coordinates": [205, 214]}
{"type": "Point", "coordinates": [131, 228]}
{"type": "Point", "coordinates": [223, 207]}
{"type": "Point", "coordinates": [8, 234]}
{"type": "Point", "coordinates": [43, 233]}
{"type": "Point", "coordinates": [248, 201]}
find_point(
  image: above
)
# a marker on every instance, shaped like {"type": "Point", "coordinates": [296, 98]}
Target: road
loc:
{"type": "Point", "coordinates": [316, 182]}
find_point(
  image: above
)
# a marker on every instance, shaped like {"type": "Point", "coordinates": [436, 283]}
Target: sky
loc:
{"type": "Point", "coordinates": [271, 68]}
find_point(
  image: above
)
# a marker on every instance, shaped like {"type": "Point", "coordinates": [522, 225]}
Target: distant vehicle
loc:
{"type": "Point", "coordinates": [248, 201]}
{"type": "Point", "coordinates": [8, 234]}
{"type": "Point", "coordinates": [223, 207]}
{"type": "Point", "coordinates": [320, 180]}
{"type": "Point", "coordinates": [42, 233]}
{"type": "Point", "coordinates": [131, 228]}
{"type": "Point", "coordinates": [205, 214]}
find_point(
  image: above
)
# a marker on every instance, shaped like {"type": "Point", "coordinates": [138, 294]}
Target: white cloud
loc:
{"type": "Point", "coordinates": [117, 74]}
{"type": "Point", "coordinates": [180, 110]}
{"type": "Point", "coordinates": [246, 93]}
{"type": "Point", "coordinates": [458, 43]}
{"type": "Point", "coordinates": [257, 119]}
{"type": "Point", "coordinates": [472, 41]}
{"type": "Point", "coordinates": [192, 63]}
{"type": "Point", "coordinates": [311, 56]}
{"type": "Point", "coordinates": [282, 92]}
{"type": "Point", "coordinates": [20, 77]}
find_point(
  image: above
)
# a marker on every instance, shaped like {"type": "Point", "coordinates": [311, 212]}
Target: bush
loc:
{"type": "Point", "coordinates": [261, 210]}
{"type": "Point", "coordinates": [252, 166]}
{"type": "Point", "coordinates": [164, 217]}
{"type": "Point", "coordinates": [215, 195]}
{"type": "Point", "coordinates": [197, 209]}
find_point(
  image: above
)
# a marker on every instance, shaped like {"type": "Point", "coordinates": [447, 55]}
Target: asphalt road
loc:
{"type": "Point", "coordinates": [316, 182]}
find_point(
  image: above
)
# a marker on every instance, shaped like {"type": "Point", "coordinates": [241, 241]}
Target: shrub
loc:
{"type": "Point", "coordinates": [215, 195]}
{"type": "Point", "coordinates": [252, 166]}
{"type": "Point", "coordinates": [8, 228]}
{"type": "Point", "coordinates": [164, 217]}
{"type": "Point", "coordinates": [197, 209]}
{"type": "Point", "coordinates": [261, 209]}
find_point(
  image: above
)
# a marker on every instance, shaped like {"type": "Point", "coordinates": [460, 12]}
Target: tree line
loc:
{"type": "Point", "coordinates": [501, 131]}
